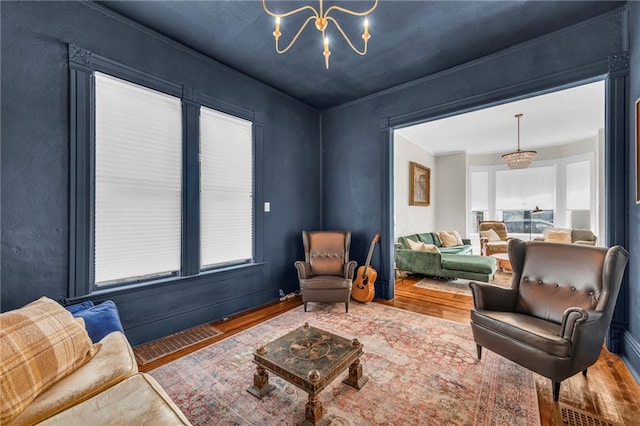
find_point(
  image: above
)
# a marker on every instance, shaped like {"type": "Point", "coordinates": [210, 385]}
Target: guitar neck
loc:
{"type": "Point", "coordinates": [371, 248]}
{"type": "Point", "coordinates": [373, 245]}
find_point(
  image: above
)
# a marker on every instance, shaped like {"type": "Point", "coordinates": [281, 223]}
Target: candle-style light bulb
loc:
{"type": "Point", "coordinates": [366, 35]}
{"type": "Point", "coordinates": [327, 53]}
{"type": "Point", "coordinates": [276, 33]}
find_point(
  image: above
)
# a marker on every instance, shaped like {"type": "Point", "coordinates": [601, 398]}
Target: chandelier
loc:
{"type": "Point", "coordinates": [321, 18]}
{"type": "Point", "coordinates": [519, 159]}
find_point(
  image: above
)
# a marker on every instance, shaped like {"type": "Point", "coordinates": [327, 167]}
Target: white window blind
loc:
{"type": "Point", "coordinates": [226, 189]}
{"type": "Point", "coordinates": [138, 181]}
{"type": "Point", "coordinates": [579, 185]}
{"type": "Point", "coordinates": [479, 191]}
{"type": "Point", "coordinates": [523, 189]}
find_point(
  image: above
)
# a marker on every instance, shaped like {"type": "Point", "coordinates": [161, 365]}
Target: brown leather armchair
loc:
{"type": "Point", "coordinates": [554, 318]}
{"type": "Point", "coordinates": [326, 274]}
{"type": "Point", "coordinates": [488, 246]}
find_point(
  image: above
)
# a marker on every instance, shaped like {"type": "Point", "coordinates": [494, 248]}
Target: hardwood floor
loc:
{"type": "Point", "coordinates": [609, 391]}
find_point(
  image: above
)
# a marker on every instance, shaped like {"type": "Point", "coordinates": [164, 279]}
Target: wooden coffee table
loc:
{"type": "Point", "coordinates": [310, 359]}
{"type": "Point", "coordinates": [504, 263]}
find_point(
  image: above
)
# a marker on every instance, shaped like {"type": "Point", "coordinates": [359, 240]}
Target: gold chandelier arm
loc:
{"type": "Point", "coordinates": [310, 18]}
{"type": "Point", "coordinates": [284, 15]}
{"type": "Point", "coordinates": [350, 12]}
{"type": "Point", "coordinates": [344, 35]}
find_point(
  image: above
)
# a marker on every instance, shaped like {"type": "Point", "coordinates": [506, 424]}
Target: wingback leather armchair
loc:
{"type": "Point", "coordinates": [554, 318]}
{"type": "Point", "coordinates": [326, 275]}
{"type": "Point", "coordinates": [490, 246]}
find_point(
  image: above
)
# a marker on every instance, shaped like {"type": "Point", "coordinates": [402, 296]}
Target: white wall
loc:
{"type": "Point", "coordinates": [451, 186]}
{"type": "Point", "coordinates": [411, 219]}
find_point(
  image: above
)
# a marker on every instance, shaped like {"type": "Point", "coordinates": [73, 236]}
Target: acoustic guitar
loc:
{"type": "Point", "coordinates": [363, 289]}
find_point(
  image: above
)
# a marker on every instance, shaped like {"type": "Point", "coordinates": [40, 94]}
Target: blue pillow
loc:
{"type": "Point", "coordinates": [79, 306]}
{"type": "Point", "coordinates": [101, 320]}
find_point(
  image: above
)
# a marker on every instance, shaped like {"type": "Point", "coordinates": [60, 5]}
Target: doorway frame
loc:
{"type": "Point", "coordinates": [615, 73]}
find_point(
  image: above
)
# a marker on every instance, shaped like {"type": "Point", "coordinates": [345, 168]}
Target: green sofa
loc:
{"type": "Point", "coordinates": [451, 262]}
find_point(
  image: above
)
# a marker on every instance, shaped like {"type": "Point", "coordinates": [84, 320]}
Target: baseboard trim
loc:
{"type": "Point", "coordinates": [167, 325]}
{"type": "Point", "coordinates": [631, 355]}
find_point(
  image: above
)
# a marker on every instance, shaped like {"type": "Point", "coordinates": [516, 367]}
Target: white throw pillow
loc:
{"type": "Point", "coordinates": [458, 237]}
{"type": "Point", "coordinates": [420, 246]}
{"type": "Point", "coordinates": [450, 238]}
{"type": "Point", "coordinates": [490, 235]}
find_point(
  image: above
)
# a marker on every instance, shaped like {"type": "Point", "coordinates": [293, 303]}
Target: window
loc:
{"type": "Point", "coordinates": [527, 221]}
{"type": "Point", "coordinates": [162, 186]}
{"type": "Point", "coordinates": [550, 193]}
{"type": "Point", "coordinates": [138, 182]}
{"type": "Point", "coordinates": [226, 189]}
{"type": "Point", "coordinates": [520, 191]}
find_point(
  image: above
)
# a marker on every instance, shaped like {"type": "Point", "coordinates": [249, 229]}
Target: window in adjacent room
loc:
{"type": "Point", "coordinates": [226, 189]}
{"type": "Point", "coordinates": [519, 192]}
{"type": "Point", "coordinates": [138, 182]}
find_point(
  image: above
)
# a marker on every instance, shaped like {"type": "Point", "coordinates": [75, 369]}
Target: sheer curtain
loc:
{"type": "Point", "coordinates": [524, 189]}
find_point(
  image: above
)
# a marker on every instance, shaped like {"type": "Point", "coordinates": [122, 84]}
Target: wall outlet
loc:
{"type": "Point", "coordinates": [267, 207]}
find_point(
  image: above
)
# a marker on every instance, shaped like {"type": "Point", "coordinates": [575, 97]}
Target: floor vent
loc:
{"type": "Point", "coordinates": [573, 417]}
{"type": "Point", "coordinates": [167, 345]}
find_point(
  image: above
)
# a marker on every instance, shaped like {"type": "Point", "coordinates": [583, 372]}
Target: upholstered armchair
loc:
{"type": "Point", "coordinates": [554, 318]}
{"type": "Point", "coordinates": [326, 274]}
{"type": "Point", "coordinates": [493, 242]}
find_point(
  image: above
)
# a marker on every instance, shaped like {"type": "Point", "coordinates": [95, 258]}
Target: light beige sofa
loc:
{"type": "Point", "coordinates": [106, 389]}
{"type": "Point", "coordinates": [568, 236]}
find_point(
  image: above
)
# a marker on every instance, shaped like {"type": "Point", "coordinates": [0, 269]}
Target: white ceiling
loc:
{"type": "Point", "coordinates": [552, 119]}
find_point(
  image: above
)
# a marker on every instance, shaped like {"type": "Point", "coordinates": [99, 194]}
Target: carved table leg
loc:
{"type": "Point", "coordinates": [261, 385]}
{"type": "Point", "coordinates": [356, 379]}
{"type": "Point", "coordinates": [313, 413]}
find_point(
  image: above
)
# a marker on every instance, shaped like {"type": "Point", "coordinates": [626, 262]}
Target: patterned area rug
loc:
{"type": "Point", "coordinates": [460, 286]}
{"type": "Point", "coordinates": [422, 371]}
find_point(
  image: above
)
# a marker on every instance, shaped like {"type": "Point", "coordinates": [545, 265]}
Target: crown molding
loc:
{"type": "Point", "coordinates": [511, 50]}
{"type": "Point", "coordinates": [619, 62]}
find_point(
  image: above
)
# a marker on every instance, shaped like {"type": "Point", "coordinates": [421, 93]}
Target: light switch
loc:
{"type": "Point", "coordinates": [267, 207]}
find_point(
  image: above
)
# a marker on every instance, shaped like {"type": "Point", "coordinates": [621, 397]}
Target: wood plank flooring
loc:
{"type": "Point", "coordinates": [609, 392]}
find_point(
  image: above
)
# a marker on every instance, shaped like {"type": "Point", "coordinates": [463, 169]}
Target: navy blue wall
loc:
{"type": "Point", "coordinates": [357, 153]}
{"type": "Point", "coordinates": [352, 190]}
{"type": "Point", "coordinates": [35, 165]}
{"type": "Point", "coordinates": [632, 338]}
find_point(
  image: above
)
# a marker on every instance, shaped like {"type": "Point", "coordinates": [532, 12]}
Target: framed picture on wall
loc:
{"type": "Point", "coordinates": [419, 185]}
{"type": "Point", "coordinates": [637, 151]}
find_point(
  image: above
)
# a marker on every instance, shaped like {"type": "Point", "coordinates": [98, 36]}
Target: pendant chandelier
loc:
{"type": "Point", "coordinates": [519, 159]}
{"type": "Point", "coordinates": [321, 18]}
